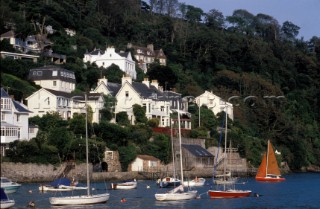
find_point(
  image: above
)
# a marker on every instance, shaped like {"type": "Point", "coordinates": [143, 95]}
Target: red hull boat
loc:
{"type": "Point", "coordinates": [229, 193]}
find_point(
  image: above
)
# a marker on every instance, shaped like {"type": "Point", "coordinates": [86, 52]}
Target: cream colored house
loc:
{"type": "Point", "coordinates": [66, 104]}
{"type": "Point", "coordinates": [54, 78]}
{"type": "Point", "coordinates": [214, 103]}
{"type": "Point", "coordinates": [14, 121]}
{"type": "Point", "coordinates": [110, 56]}
{"type": "Point", "coordinates": [146, 163]}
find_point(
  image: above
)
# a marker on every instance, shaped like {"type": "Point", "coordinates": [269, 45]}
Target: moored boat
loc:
{"type": "Point", "coordinates": [125, 185]}
{"type": "Point", "coordinates": [5, 201]}
{"type": "Point", "coordinates": [8, 185]}
{"type": "Point", "coordinates": [196, 182]}
{"type": "Point", "coordinates": [269, 170]}
{"type": "Point", "coordinates": [230, 193]}
{"type": "Point", "coordinates": [60, 185]}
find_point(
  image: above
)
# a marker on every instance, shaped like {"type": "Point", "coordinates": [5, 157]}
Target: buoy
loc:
{"type": "Point", "coordinates": [198, 197]}
{"type": "Point", "coordinates": [31, 204]}
{"type": "Point", "coordinates": [30, 191]}
{"type": "Point", "coordinates": [123, 200]}
{"type": "Point", "coordinates": [148, 187]}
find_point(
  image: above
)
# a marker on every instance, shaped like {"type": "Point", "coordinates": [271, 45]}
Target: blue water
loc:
{"type": "Point", "coordinates": [298, 191]}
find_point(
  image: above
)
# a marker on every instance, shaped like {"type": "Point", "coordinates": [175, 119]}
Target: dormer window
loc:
{"type": "Point", "coordinates": [55, 73]}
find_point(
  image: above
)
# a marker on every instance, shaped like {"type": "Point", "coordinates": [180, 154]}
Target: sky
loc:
{"type": "Point", "coordinates": [303, 13]}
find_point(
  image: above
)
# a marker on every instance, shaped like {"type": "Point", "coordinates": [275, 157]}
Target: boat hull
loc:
{"type": "Point", "coordinates": [124, 186]}
{"type": "Point", "coordinates": [229, 193]}
{"type": "Point", "coordinates": [80, 200]}
{"type": "Point", "coordinates": [7, 203]}
{"type": "Point", "coordinates": [10, 189]}
{"type": "Point", "coordinates": [270, 179]}
{"type": "Point", "coordinates": [54, 189]}
{"type": "Point", "coordinates": [195, 183]}
{"type": "Point", "coordinates": [176, 196]}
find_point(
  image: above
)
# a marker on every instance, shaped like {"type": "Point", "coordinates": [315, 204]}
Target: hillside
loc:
{"type": "Point", "coordinates": [273, 77]}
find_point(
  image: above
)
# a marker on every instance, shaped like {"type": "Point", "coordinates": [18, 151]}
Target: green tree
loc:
{"type": "Point", "coordinates": [140, 114]}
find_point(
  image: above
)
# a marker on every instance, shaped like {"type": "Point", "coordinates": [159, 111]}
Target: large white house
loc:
{"type": "Point", "coordinates": [110, 56]}
{"type": "Point", "coordinates": [157, 104]}
{"type": "Point", "coordinates": [14, 121]}
{"type": "Point", "coordinates": [66, 104]}
{"type": "Point", "coordinates": [53, 77]}
{"type": "Point", "coordinates": [214, 103]}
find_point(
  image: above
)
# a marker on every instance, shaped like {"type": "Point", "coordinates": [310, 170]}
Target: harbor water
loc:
{"type": "Point", "coordinates": [300, 190]}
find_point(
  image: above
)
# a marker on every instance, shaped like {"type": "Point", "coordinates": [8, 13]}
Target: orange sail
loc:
{"type": "Point", "coordinates": [272, 166]}
{"type": "Point", "coordinates": [262, 171]}
{"type": "Point", "coordinates": [269, 169]}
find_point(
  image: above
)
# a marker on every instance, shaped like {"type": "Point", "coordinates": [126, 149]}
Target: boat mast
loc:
{"type": "Point", "coordinates": [180, 149]}
{"type": "Point", "coordinates": [173, 154]}
{"type": "Point", "coordinates": [225, 146]}
{"type": "Point", "coordinates": [87, 147]}
{"type": "Point", "coordinates": [267, 157]}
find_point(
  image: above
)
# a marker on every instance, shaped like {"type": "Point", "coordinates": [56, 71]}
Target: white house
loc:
{"type": "Point", "coordinates": [66, 104]}
{"type": "Point", "coordinates": [145, 163]}
{"type": "Point", "coordinates": [54, 78]}
{"type": "Point", "coordinates": [110, 56]}
{"type": "Point", "coordinates": [14, 121]}
{"type": "Point", "coordinates": [214, 103]}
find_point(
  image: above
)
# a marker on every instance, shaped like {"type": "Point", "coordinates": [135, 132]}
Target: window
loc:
{"type": "Point", "coordinates": [54, 73]}
{"type": "Point", "coordinates": [127, 93]}
{"type": "Point", "coordinates": [18, 118]}
{"type": "Point", "coordinates": [39, 73]}
{"type": "Point", "coordinates": [162, 108]}
{"type": "Point", "coordinates": [153, 163]}
{"type": "Point", "coordinates": [54, 83]}
{"type": "Point", "coordinates": [3, 117]}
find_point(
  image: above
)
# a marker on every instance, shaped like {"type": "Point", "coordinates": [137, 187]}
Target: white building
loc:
{"type": "Point", "coordinates": [110, 56]}
{"type": "Point", "coordinates": [214, 103]}
{"type": "Point", "coordinates": [66, 104]}
{"type": "Point", "coordinates": [14, 121]}
{"type": "Point", "coordinates": [53, 77]}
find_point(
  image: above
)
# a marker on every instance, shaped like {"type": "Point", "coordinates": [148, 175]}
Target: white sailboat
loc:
{"type": "Point", "coordinates": [179, 192]}
{"type": "Point", "coordinates": [89, 198]}
{"type": "Point", "coordinates": [228, 190]}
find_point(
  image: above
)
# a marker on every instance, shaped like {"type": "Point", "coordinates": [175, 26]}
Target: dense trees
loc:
{"type": "Point", "coordinates": [239, 55]}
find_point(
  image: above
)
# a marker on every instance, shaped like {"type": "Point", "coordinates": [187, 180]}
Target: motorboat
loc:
{"type": "Point", "coordinates": [9, 186]}
{"type": "Point", "coordinates": [5, 201]}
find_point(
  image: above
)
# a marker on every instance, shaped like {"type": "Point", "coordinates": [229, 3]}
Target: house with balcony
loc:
{"type": "Point", "coordinates": [109, 56]}
{"type": "Point", "coordinates": [147, 55]}
{"type": "Point", "coordinates": [65, 104]}
{"type": "Point", "coordinates": [157, 103]}
{"type": "Point", "coordinates": [54, 78]}
{"type": "Point", "coordinates": [14, 121]}
{"type": "Point", "coordinates": [214, 103]}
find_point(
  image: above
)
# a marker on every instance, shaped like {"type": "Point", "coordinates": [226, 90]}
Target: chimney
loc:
{"type": "Point", "coordinates": [155, 83]}
{"type": "Point", "coordinates": [146, 82]}
{"type": "Point", "coordinates": [103, 80]}
{"type": "Point", "coordinates": [126, 78]}
{"type": "Point", "coordinates": [150, 47]}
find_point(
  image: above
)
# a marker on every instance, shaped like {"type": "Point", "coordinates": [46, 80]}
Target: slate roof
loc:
{"type": "Point", "coordinates": [19, 107]}
{"type": "Point", "coordinates": [96, 52]}
{"type": "Point", "coordinates": [47, 74]}
{"type": "Point", "coordinates": [59, 93]}
{"type": "Point", "coordinates": [4, 94]}
{"type": "Point", "coordinates": [91, 96]}
{"type": "Point", "coordinates": [197, 150]}
{"type": "Point", "coordinates": [113, 88]}
{"type": "Point", "coordinates": [148, 92]}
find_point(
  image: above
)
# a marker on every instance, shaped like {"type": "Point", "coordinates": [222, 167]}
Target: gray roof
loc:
{"type": "Point", "coordinates": [148, 92]}
{"type": "Point", "coordinates": [96, 52]}
{"type": "Point", "coordinates": [113, 88]}
{"type": "Point", "coordinates": [91, 96]}
{"type": "Point", "coordinates": [20, 107]}
{"type": "Point", "coordinates": [4, 94]}
{"type": "Point", "coordinates": [46, 73]}
{"type": "Point", "coordinates": [59, 93]}
{"type": "Point", "coordinates": [197, 150]}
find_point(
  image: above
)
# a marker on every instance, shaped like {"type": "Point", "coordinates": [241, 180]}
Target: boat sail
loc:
{"type": "Point", "coordinates": [269, 169]}
{"type": "Point", "coordinates": [227, 189]}
{"type": "Point", "coordinates": [179, 192]}
{"type": "Point", "coordinates": [87, 199]}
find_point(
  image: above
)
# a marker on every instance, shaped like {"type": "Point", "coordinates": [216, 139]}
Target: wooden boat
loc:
{"type": "Point", "coordinates": [227, 190]}
{"type": "Point", "coordinates": [9, 186]}
{"type": "Point", "coordinates": [269, 170]}
{"type": "Point", "coordinates": [88, 199]}
{"type": "Point", "coordinates": [196, 182]}
{"type": "Point", "coordinates": [179, 192]}
{"type": "Point", "coordinates": [125, 185]}
{"type": "Point", "coordinates": [5, 202]}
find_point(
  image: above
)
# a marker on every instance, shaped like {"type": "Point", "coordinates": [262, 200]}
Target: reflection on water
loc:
{"type": "Point", "coordinates": [298, 191]}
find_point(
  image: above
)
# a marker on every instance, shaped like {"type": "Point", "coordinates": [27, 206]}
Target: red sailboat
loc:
{"type": "Point", "coordinates": [227, 190]}
{"type": "Point", "coordinates": [269, 170]}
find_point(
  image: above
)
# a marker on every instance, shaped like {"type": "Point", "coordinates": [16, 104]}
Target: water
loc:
{"type": "Point", "coordinates": [298, 191]}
